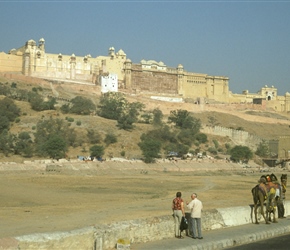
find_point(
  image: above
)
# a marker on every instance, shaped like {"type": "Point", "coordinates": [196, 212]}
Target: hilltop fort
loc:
{"type": "Point", "coordinates": [116, 72]}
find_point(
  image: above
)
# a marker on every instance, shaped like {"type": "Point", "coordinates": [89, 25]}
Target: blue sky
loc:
{"type": "Point", "coordinates": [247, 41]}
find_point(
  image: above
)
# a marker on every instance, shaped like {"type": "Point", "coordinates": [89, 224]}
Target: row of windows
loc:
{"type": "Point", "coordinates": [199, 82]}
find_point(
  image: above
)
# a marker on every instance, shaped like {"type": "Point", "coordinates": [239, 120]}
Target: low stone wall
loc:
{"type": "Point", "coordinates": [164, 165]}
{"type": "Point", "coordinates": [137, 231]}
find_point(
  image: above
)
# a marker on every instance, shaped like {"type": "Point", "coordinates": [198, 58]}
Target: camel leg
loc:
{"type": "Point", "coordinates": [274, 215]}
{"type": "Point", "coordinates": [255, 211]}
{"type": "Point", "coordinates": [263, 214]}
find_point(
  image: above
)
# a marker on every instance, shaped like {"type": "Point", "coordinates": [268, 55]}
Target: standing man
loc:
{"type": "Point", "coordinates": [178, 212]}
{"type": "Point", "coordinates": [281, 207]}
{"type": "Point", "coordinates": [196, 206]}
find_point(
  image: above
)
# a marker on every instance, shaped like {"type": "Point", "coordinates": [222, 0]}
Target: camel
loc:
{"type": "Point", "coordinates": [265, 192]}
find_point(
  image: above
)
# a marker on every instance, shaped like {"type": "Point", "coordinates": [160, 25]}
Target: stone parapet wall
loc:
{"type": "Point", "coordinates": [164, 165]}
{"type": "Point", "coordinates": [238, 136]}
{"type": "Point", "coordinates": [102, 237]}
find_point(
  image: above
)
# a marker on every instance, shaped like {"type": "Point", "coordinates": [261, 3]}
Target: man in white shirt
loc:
{"type": "Point", "coordinates": [196, 206]}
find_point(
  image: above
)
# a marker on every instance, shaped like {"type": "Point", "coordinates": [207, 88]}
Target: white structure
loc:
{"type": "Point", "coordinates": [109, 83]}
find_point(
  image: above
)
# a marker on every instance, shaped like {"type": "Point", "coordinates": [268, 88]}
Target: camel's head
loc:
{"type": "Point", "coordinates": [263, 180]}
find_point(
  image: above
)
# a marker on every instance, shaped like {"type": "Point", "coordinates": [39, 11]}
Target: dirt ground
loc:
{"type": "Point", "coordinates": [40, 201]}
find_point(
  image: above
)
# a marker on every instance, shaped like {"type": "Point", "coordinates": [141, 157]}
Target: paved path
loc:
{"type": "Point", "coordinates": [221, 238]}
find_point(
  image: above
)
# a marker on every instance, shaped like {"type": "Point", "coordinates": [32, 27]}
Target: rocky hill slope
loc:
{"type": "Point", "coordinates": [263, 123]}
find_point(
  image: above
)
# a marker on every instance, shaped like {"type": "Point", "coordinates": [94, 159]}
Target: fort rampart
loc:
{"type": "Point", "coordinates": [238, 136]}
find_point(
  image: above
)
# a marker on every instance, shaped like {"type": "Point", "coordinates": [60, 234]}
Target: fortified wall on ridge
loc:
{"type": "Point", "coordinates": [147, 77]}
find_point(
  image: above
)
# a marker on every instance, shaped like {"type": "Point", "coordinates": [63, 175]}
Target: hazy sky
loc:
{"type": "Point", "coordinates": [247, 41]}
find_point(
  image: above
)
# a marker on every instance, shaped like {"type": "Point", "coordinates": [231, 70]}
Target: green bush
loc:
{"type": "Point", "coordinates": [241, 153]}
{"type": "Point", "coordinates": [82, 106]}
{"type": "Point", "coordinates": [93, 136]}
{"type": "Point", "coordinates": [49, 131]}
{"type": "Point", "coordinates": [24, 145]}
{"type": "Point", "coordinates": [183, 119]}
{"type": "Point", "coordinates": [70, 119]}
{"type": "Point", "coordinates": [212, 150]}
{"type": "Point", "coordinates": [157, 117]}
{"type": "Point", "coordinates": [186, 136]}
{"type": "Point", "coordinates": [201, 138]}
{"type": "Point", "coordinates": [13, 85]}
{"type": "Point", "coordinates": [110, 139]}
{"type": "Point", "coordinates": [263, 149]}
{"type": "Point", "coordinates": [216, 143]}
{"type": "Point", "coordinates": [111, 105]}
{"type": "Point", "coordinates": [7, 141]}
{"type": "Point", "coordinates": [97, 151]}
{"type": "Point", "coordinates": [150, 148]}
{"type": "Point", "coordinates": [65, 108]}
{"type": "Point", "coordinates": [9, 109]}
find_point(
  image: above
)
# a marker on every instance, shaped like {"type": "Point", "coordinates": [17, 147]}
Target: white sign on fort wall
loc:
{"type": "Point", "coordinates": [109, 83]}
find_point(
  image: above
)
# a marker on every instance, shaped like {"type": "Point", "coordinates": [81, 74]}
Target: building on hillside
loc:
{"type": "Point", "coordinates": [109, 82]}
{"type": "Point", "coordinates": [147, 77]}
{"type": "Point", "coordinates": [267, 97]}
{"type": "Point", "coordinates": [279, 149]}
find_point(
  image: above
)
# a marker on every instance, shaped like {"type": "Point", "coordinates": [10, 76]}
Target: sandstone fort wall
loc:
{"type": "Point", "coordinates": [239, 137]}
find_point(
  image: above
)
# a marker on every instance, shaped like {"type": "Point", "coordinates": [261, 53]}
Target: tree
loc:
{"type": "Point", "coordinates": [7, 141]}
{"type": "Point", "coordinates": [129, 115]}
{"type": "Point", "coordinates": [163, 134]}
{"type": "Point", "coordinates": [178, 148]}
{"type": "Point", "coordinates": [183, 120]}
{"type": "Point", "coordinates": [36, 101]}
{"type": "Point", "coordinates": [55, 147]}
{"type": "Point", "coordinates": [111, 105]}
{"type": "Point", "coordinates": [93, 136]}
{"type": "Point", "coordinates": [201, 138]}
{"type": "Point", "coordinates": [241, 153]}
{"type": "Point", "coordinates": [4, 123]}
{"type": "Point", "coordinates": [146, 117]}
{"type": "Point", "coordinates": [150, 148]}
{"type": "Point", "coordinates": [178, 117]}
{"type": "Point", "coordinates": [65, 108]}
{"type": "Point", "coordinates": [110, 139]}
{"type": "Point", "coordinates": [9, 109]}
{"type": "Point", "coordinates": [82, 106]}
{"type": "Point", "coordinates": [157, 117]}
{"type": "Point", "coordinates": [125, 121]}
{"type": "Point", "coordinates": [97, 151]}
{"type": "Point", "coordinates": [24, 145]}
{"type": "Point", "coordinates": [49, 105]}
{"type": "Point", "coordinates": [263, 149]}
{"type": "Point", "coordinates": [5, 90]}
{"type": "Point", "coordinates": [186, 136]}
{"type": "Point", "coordinates": [53, 128]}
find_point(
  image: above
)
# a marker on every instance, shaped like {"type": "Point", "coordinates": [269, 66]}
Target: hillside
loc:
{"type": "Point", "coordinates": [265, 124]}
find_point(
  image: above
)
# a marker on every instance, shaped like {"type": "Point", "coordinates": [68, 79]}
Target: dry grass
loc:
{"type": "Point", "coordinates": [250, 121]}
{"type": "Point", "coordinates": [106, 193]}
{"type": "Point", "coordinates": [39, 201]}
